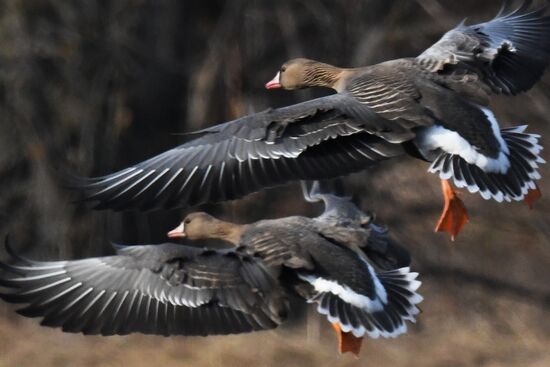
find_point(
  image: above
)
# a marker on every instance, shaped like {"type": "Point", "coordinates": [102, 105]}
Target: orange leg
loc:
{"type": "Point", "coordinates": [454, 215]}
{"type": "Point", "coordinates": [532, 196]}
{"type": "Point", "coordinates": [347, 342]}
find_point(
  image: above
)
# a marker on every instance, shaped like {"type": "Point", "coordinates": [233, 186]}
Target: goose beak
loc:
{"type": "Point", "coordinates": [178, 232]}
{"type": "Point", "coordinates": [273, 83]}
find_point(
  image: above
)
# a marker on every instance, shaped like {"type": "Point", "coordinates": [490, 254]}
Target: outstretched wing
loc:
{"type": "Point", "coordinates": [509, 53]}
{"type": "Point", "coordinates": [321, 138]}
{"type": "Point", "coordinates": [162, 289]}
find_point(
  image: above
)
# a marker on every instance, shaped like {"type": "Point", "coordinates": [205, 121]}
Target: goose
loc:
{"type": "Point", "coordinates": [434, 107]}
{"type": "Point", "coordinates": [325, 269]}
{"type": "Point", "coordinates": [173, 289]}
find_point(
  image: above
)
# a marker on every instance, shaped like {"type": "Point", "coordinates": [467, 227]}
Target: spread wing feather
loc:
{"type": "Point", "coordinates": [161, 289]}
{"type": "Point", "coordinates": [509, 53]}
{"type": "Point", "coordinates": [322, 138]}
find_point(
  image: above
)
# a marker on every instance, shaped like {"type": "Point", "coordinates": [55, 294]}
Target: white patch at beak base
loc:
{"type": "Point", "coordinates": [275, 82]}
{"type": "Point", "coordinates": [178, 232]}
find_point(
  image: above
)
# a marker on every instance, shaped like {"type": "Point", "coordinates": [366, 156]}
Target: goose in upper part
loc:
{"type": "Point", "coordinates": [433, 106]}
{"type": "Point", "coordinates": [172, 289]}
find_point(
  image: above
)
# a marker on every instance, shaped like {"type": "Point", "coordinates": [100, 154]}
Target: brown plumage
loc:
{"type": "Point", "coordinates": [432, 107]}
{"type": "Point", "coordinates": [173, 289]}
{"type": "Point", "coordinates": [316, 259]}
{"type": "Point", "coordinates": [200, 226]}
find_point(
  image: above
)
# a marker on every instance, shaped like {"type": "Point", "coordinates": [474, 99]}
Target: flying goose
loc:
{"type": "Point", "coordinates": [433, 107]}
{"type": "Point", "coordinates": [323, 268]}
{"type": "Point", "coordinates": [171, 289]}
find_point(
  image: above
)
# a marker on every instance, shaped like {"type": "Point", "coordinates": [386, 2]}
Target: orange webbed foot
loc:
{"type": "Point", "coordinates": [454, 215]}
{"type": "Point", "coordinates": [347, 342]}
{"type": "Point", "coordinates": [532, 196]}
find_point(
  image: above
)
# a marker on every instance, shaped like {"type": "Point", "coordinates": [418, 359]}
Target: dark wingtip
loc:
{"type": "Point", "coordinates": [8, 245]}
{"type": "Point", "coordinates": [6, 267]}
{"type": "Point", "coordinates": [10, 269]}
{"type": "Point", "coordinates": [7, 297]}
{"type": "Point", "coordinates": [32, 311]}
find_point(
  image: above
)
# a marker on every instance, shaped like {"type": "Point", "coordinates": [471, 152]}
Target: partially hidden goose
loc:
{"type": "Point", "coordinates": [433, 107]}
{"type": "Point", "coordinates": [322, 267]}
{"type": "Point", "coordinates": [172, 289]}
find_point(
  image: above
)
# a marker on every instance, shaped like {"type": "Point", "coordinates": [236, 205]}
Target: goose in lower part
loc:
{"type": "Point", "coordinates": [171, 289]}
{"type": "Point", "coordinates": [434, 106]}
{"type": "Point", "coordinates": [356, 298]}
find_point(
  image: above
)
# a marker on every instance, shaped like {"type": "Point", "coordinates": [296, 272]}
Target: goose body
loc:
{"type": "Point", "coordinates": [434, 107]}
{"type": "Point", "coordinates": [422, 113]}
{"type": "Point", "coordinates": [319, 264]}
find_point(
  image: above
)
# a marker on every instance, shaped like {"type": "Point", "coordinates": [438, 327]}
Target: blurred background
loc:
{"type": "Point", "coordinates": [94, 86]}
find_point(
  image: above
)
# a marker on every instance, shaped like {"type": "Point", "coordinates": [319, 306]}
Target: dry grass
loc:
{"type": "Point", "coordinates": [460, 326]}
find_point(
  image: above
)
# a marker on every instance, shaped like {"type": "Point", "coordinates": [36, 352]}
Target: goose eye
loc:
{"type": "Point", "coordinates": [187, 221]}
{"type": "Point", "coordinates": [283, 69]}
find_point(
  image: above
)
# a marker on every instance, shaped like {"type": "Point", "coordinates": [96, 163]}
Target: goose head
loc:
{"type": "Point", "coordinates": [195, 226]}
{"type": "Point", "coordinates": [304, 73]}
{"type": "Point", "coordinates": [203, 226]}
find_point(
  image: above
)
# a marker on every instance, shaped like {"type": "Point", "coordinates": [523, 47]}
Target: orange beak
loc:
{"type": "Point", "coordinates": [274, 83]}
{"type": "Point", "coordinates": [178, 232]}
